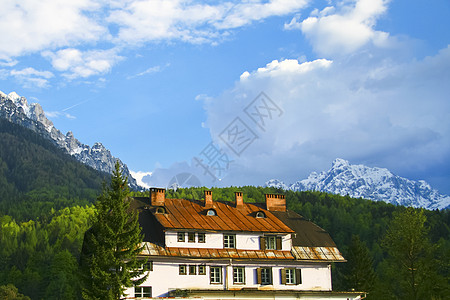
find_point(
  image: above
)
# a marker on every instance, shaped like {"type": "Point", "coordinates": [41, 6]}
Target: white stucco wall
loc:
{"type": "Point", "coordinates": [244, 241]}
{"type": "Point", "coordinates": [165, 277]}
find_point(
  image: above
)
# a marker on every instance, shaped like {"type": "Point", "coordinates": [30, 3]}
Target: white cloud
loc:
{"type": "Point", "coordinates": [71, 32]}
{"type": "Point", "coordinates": [379, 112]}
{"type": "Point", "coordinates": [143, 20]}
{"type": "Point", "coordinates": [244, 13]}
{"type": "Point", "coordinates": [31, 77]}
{"type": "Point", "coordinates": [8, 63]}
{"type": "Point", "coordinates": [345, 28]}
{"type": "Point", "coordinates": [75, 63]}
{"type": "Point", "coordinates": [139, 176]}
{"type": "Point", "coordinates": [31, 26]}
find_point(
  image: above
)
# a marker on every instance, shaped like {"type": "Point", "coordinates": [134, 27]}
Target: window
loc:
{"type": "Point", "coordinates": [216, 274]}
{"type": "Point", "coordinates": [192, 270]}
{"type": "Point", "coordinates": [291, 276]}
{"type": "Point", "coordinates": [160, 210]}
{"type": "Point", "coordinates": [270, 242]}
{"type": "Point", "coordinates": [148, 265]}
{"type": "Point", "coordinates": [260, 214]}
{"type": "Point", "coordinates": [211, 212]}
{"type": "Point", "coordinates": [201, 238]}
{"type": "Point", "coordinates": [239, 275]}
{"type": "Point", "coordinates": [180, 236]}
{"type": "Point", "coordinates": [229, 241]}
{"type": "Point", "coordinates": [182, 269]}
{"type": "Point", "coordinates": [202, 270]}
{"type": "Point", "coordinates": [143, 291]}
{"type": "Point", "coordinates": [264, 276]}
{"type": "Point", "coordinates": [191, 237]}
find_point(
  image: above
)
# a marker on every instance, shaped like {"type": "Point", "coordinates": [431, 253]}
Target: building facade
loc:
{"type": "Point", "coordinates": [208, 249]}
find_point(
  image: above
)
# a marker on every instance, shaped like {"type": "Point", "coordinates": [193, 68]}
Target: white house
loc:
{"type": "Point", "coordinates": [220, 250]}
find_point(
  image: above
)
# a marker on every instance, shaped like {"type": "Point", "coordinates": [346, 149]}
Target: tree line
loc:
{"type": "Point", "coordinates": [393, 252]}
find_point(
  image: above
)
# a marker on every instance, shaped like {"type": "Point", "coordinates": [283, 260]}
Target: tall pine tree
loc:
{"type": "Point", "coordinates": [109, 259]}
{"type": "Point", "coordinates": [358, 273]}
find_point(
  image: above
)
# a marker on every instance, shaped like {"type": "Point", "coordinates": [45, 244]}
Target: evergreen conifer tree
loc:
{"type": "Point", "coordinates": [109, 258]}
{"type": "Point", "coordinates": [358, 272]}
{"type": "Point", "coordinates": [412, 268]}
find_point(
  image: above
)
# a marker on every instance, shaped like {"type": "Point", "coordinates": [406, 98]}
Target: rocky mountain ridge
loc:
{"type": "Point", "coordinates": [16, 109]}
{"type": "Point", "coordinates": [378, 184]}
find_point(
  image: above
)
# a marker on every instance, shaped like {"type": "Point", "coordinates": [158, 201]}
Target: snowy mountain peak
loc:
{"type": "Point", "coordinates": [340, 163]}
{"type": "Point", "coordinates": [377, 184]}
{"type": "Point", "coordinates": [16, 109]}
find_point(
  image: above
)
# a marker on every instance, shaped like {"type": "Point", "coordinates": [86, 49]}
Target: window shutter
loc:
{"type": "Point", "coordinates": [283, 276]}
{"type": "Point", "coordinates": [279, 247]}
{"type": "Point", "coordinates": [258, 275]}
{"type": "Point", "coordinates": [298, 276]}
{"type": "Point", "coordinates": [262, 243]}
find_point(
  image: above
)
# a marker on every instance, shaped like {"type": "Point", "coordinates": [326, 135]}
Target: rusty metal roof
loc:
{"type": "Point", "coordinates": [317, 253]}
{"type": "Point", "coordinates": [297, 253]}
{"type": "Point", "coordinates": [187, 214]}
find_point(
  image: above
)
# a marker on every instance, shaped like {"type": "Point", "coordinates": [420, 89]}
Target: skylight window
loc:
{"type": "Point", "coordinates": [260, 214]}
{"type": "Point", "coordinates": [211, 212]}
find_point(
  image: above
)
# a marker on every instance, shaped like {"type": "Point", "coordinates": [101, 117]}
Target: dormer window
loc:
{"type": "Point", "coordinates": [160, 210]}
{"type": "Point", "coordinates": [211, 212]}
{"type": "Point", "coordinates": [260, 214]}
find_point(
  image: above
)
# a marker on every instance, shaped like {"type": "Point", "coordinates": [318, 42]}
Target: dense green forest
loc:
{"type": "Point", "coordinates": [40, 257]}
{"type": "Point", "coordinates": [361, 230]}
{"type": "Point", "coordinates": [46, 206]}
{"type": "Point", "coordinates": [36, 176]}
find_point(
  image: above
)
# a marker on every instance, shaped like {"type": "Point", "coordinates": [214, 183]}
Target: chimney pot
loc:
{"type": "Point", "coordinates": [275, 202]}
{"type": "Point", "coordinates": [239, 200]}
{"type": "Point", "coordinates": [208, 199]}
{"type": "Point", "coordinates": [157, 196]}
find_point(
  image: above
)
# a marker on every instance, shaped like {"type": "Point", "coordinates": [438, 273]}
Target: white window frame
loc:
{"type": "Point", "coordinates": [229, 241]}
{"type": "Point", "coordinates": [271, 242]}
{"type": "Point", "coordinates": [215, 275]}
{"type": "Point", "coordinates": [238, 275]}
{"type": "Point", "coordinates": [142, 291]}
{"type": "Point", "coordinates": [181, 236]}
{"type": "Point", "coordinates": [290, 276]}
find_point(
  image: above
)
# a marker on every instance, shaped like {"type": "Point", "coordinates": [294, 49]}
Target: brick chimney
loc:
{"type": "Point", "coordinates": [208, 199]}
{"type": "Point", "coordinates": [275, 202]}
{"type": "Point", "coordinates": [157, 196]}
{"type": "Point", "coordinates": [239, 200]}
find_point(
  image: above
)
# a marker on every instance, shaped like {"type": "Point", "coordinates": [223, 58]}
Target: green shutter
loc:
{"type": "Point", "coordinates": [258, 275]}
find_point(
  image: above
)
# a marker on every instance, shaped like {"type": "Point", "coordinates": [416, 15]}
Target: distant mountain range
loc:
{"type": "Point", "coordinates": [16, 109]}
{"type": "Point", "coordinates": [378, 184]}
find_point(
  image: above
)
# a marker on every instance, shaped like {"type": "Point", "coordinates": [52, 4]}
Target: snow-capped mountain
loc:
{"type": "Point", "coordinates": [377, 184]}
{"type": "Point", "coordinates": [17, 110]}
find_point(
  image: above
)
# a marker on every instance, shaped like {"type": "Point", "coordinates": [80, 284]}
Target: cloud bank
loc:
{"type": "Point", "coordinates": [83, 38]}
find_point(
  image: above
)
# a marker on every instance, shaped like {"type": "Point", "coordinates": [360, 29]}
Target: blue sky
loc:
{"type": "Point", "coordinates": [237, 93]}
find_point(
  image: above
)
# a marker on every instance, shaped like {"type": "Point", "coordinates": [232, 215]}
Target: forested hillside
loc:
{"type": "Point", "coordinates": [36, 176]}
{"type": "Point", "coordinates": [363, 230]}
{"type": "Point", "coordinates": [40, 256]}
